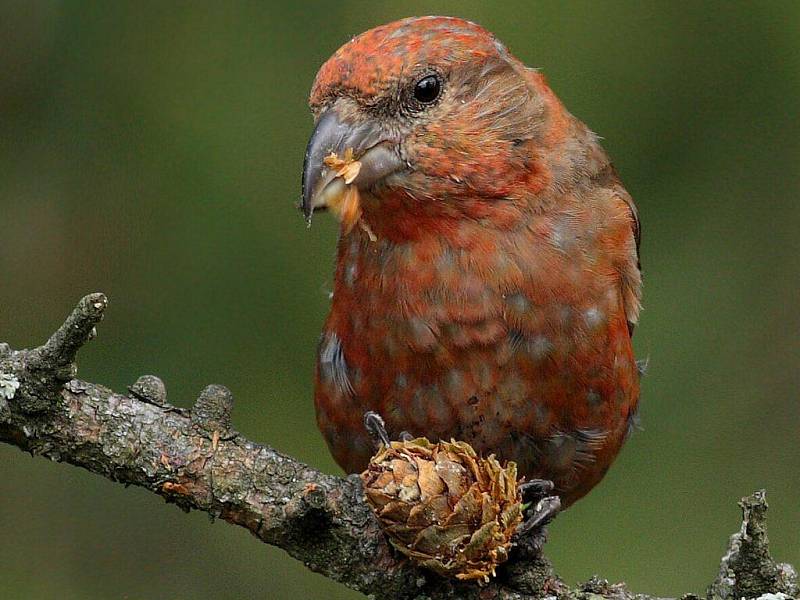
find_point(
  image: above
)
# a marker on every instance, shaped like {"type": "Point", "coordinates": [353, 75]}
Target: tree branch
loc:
{"type": "Point", "coordinates": [193, 458]}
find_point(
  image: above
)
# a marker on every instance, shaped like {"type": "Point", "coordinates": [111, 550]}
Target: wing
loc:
{"type": "Point", "coordinates": [628, 262]}
{"type": "Point", "coordinates": [631, 270]}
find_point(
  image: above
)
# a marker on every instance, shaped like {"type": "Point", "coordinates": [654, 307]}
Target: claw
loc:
{"type": "Point", "coordinates": [375, 426]}
{"type": "Point", "coordinates": [531, 534]}
{"type": "Point", "coordinates": [534, 490]}
{"type": "Point", "coordinates": [545, 511]}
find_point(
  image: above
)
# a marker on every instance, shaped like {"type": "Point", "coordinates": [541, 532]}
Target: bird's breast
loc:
{"type": "Point", "coordinates": [515, 342]}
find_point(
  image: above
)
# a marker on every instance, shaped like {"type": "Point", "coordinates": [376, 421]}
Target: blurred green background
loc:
{"type": "Point", "coordinates": [152, 150]}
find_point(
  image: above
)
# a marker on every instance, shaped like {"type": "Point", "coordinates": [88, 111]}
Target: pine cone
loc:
{"type": "Point", "coordinates": [444, 507]}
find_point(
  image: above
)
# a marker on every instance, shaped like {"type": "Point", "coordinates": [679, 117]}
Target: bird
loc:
{"type": "Point", "coordinates": [487, 278]}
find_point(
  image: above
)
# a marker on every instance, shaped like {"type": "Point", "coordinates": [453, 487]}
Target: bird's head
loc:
{"type": "Point", "coordinates": [441, 117]}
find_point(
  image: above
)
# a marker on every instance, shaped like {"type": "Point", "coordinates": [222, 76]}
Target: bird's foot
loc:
{"type": "Point", "coordinates": [541, 509]}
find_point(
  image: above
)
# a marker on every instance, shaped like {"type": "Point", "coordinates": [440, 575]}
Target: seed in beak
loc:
{"type": "Point", "coordinates": [347, 168]}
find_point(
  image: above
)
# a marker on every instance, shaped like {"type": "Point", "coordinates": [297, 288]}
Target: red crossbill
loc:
{"type": "Point", "coordinates": [491, 287]}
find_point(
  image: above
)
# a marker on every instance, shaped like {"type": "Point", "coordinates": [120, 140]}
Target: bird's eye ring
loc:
{"type": "Point", "coordinates": [428, 89]}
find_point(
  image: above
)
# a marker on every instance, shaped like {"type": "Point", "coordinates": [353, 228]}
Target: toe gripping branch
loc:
{"type": "Point", "coordinates": [541, 508]}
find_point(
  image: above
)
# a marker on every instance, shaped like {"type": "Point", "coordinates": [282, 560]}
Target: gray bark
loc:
{"type": "Point", "coordinates": [196, 460]}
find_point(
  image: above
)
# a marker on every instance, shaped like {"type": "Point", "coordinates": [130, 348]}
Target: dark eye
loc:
{"type": "Point", "coordinates": [427, 89]}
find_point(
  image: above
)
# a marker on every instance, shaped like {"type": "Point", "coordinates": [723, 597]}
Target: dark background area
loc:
{"type": "Point", "coordinates": [153, 151]}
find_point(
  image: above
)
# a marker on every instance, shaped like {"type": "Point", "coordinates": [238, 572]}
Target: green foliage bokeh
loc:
{"type": "Point", "coordinates": [153, 151]}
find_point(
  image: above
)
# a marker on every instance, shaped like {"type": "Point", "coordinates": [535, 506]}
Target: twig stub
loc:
{"type": "Point", "coordinates": [63, 345]}
{"type": "Point", "coordinates": [150, 389]}
{"type": "Point", "coordinates": [212, 410]}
